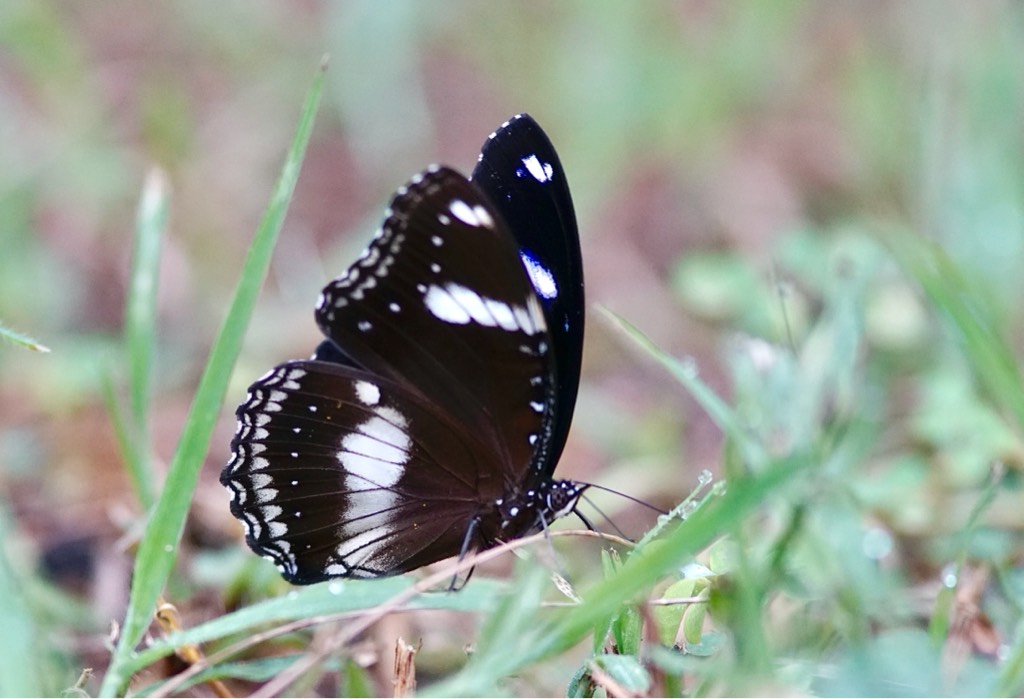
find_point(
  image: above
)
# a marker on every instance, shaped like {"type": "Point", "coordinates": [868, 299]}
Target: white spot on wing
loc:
{"type": "Point", "coordinates": [471, 215]}
{"type": "Point", "coordinates": [483, 216]}
{"type": "Point", "coordinates": [365, 544]}
{"type": "Point", "coordinates": [540, 276]}
{"type": "Point", "coordinates": [444, 307]}
{"type": "Point", "coordinates": [457, 304]}
{"type": "Point", "coordinates": [541, 172]}
{"type": "Point", "coordinates": [472, 302]}
{"type": "Point", "coordinates": [523, 319]}
{"type": "Point", "coordinates": [367, 393]}
{"type": "Point", "coordinates": [277, 529]}
{"type": "Point", "coordinates": [265, 495]}
{"type": "Point", "coordinates": [375, 454]}
{"type": "Point", "coordinates": [339, 569]}
{"type": "Point", "coordinates": [502, 314]}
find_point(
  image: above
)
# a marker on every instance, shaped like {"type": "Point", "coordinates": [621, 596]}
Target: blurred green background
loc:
{"type": "Point", "coordinates": [737, 168]}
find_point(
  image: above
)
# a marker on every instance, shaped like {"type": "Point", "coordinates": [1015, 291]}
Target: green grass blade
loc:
{"type": "Point", "coordinates": [140, 326]}
{"type": "Point", "coordinates": [21, 340]}
{"type": "Point", "coordinates": [138, 467]}
{"type": "Point", "coordinates": [19, 650]}
{"type": "Point", "coordinates": [336, 597]}
{"type": "Point", "coordinates": [687, 375]}
{"type": "Point", "coordinates": [505, 634]}
{"type": "Point", "coordinates": [939, 624]}
{"type": "Point", "coordinates": [985, 349]}
{"type": "Point", "coordinates": [158, 547]}
{"type": "Point", "coordinates": [1011, 675]}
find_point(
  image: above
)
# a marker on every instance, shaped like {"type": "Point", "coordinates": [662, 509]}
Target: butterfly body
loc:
{"type": "Point", "coordinates": [430, 420]}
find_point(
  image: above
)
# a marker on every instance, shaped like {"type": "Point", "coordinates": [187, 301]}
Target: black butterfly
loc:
{"type": "Point", "coordinates": [429, 422]}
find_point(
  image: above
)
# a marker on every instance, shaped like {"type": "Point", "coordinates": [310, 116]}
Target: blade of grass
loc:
{"type": "Point", "coordinates": [325, 599]}
{"type": "Point", "coordinates": [22, 340]}
{"type": "Point", "coordinates": [505, 633]}
{"type": "Point", "coordinates": [138, 467]}
{"type": "Point", "coordinates": [686, 373]}
{"type": "Point", "coordinates": [19, 669]}
{"type": "Point", "coordinates": [1011, 675]}
{"type": "Point", "coordinates": [156, 554]}
{"type": "Point", "coordinates": [140, 326]}
{"type": "Point", "coordinates": [938, 628]}
{"type": "Point", "coordinates": [986, 351]}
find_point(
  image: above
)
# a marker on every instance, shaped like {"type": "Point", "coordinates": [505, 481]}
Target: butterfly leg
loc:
{"type": "Point", "coordinates": [467, 542]}
{"type": "Point", "coordinates": [586, 522]}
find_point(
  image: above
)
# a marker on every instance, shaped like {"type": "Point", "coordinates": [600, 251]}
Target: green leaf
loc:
{"type": "Point", "coordinates": [670, 616]}
{"type": "Point", "coordinates": [626, 671]}
{"type": "Point", "coordinates": [693, 623]}
{"type": "Point", "coordinates": [627, 629]}
{"type": "Point", "coordinates": [581, 686]}
{"type": "Point", "coordinates": [710, 643]}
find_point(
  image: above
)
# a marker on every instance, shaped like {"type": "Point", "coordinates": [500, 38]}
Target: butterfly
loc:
{"type": "Point", "coordinates": [429, 421]}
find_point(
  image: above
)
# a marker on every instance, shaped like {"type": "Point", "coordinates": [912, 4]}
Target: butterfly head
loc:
{"type": "Point", "coordinates": [530, 511]}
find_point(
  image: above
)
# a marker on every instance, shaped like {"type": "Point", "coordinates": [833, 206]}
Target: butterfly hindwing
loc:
{"type": "Point", "coordinates": [338, 473]}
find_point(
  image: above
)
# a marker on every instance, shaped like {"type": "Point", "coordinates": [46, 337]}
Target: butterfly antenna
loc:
{"type": "Point", "coordinates": [604, 516]}
{"type": "Point", "coordinates": [632, 499]}
{"type": "Point", "coordinates": [601, 512]}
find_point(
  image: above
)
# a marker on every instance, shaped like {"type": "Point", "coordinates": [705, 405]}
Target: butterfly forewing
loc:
{"type": "Point", "coordinates": [521, 174]}
{"type": "Point", "coordinates": [441, 303]}
{"type": "Point", "coordinates": [337, 473]}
